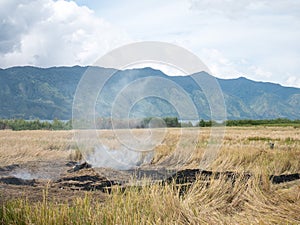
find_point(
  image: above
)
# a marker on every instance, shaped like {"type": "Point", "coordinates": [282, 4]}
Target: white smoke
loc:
{"type": "Point", "coordinates": [29, 175]}
{"type": "Point", "coordinates": [121, 159]}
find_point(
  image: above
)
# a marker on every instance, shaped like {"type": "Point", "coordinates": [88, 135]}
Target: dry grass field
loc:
{"type": "Point", "coordinates": [215, 201]}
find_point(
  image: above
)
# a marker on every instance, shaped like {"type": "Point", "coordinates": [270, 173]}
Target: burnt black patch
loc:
{"type": "Point", "coordinates": [284, 178]}
{"type": "Point", "coordinates": [81, 166]}
{"type": "Point", "coordinates": [17, 181]}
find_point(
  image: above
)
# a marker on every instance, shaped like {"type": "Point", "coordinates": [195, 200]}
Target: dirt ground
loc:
{"type": "Point", "coordinates": [58, 181]}
{"type": "Point", "coordinates": [38, 179]}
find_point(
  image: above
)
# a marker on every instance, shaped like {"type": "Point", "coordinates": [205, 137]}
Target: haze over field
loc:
{"type": "Point", "coordinates": [255, 39]}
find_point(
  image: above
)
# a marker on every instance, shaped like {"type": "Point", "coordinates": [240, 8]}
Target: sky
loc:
{"type": "Point", "coordinates": [257, 39]}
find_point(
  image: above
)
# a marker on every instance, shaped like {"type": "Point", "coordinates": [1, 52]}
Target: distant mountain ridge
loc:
{"type": "Point", "coordinates": [47, 93]}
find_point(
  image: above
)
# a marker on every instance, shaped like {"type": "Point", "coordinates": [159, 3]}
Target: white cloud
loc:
{"type": "Point", "coordinates": [254, 39]}
{"type": "Point", "coordinates": [47, 33]}
{"type": "Point", "coordinates": [219, 65]}
{"type": "Point", "coordinates": [292, 81]}
{"type": "Point", "coordinates": [16, 18]}
{"type": "Point", "coordinates": [260, 72]}
{"type": "Point", "coordinates": [233, 8]}
{"type": "Point", "coordinates": [257, 39]}
{"type": "Point", "coordinates": [168, 69]}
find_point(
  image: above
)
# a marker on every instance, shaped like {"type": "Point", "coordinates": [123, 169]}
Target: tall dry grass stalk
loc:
{"type": "Point", "coordinates": [205, 202]}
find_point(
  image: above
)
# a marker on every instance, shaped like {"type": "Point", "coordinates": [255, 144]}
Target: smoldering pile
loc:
{"type": "Point", "coordinates": [82, 176]}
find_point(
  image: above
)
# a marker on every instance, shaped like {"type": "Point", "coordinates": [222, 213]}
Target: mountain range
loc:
{"type": "Point", "coordinates": [47, 93]}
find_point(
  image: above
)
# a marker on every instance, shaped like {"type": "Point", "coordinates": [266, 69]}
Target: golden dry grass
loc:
{"type": "Point", "coordinates": [242, 148]}
{"type": "Point", "coordinates": [255, 201]}
{"type": "Point", "coordinates": [23, 146]}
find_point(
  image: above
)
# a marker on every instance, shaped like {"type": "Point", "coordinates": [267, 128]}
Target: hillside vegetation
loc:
{"type": "Point", "coordinates": [47, 93]}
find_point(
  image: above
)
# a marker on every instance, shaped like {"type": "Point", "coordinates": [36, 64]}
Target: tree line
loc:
{"type": "Point", "coordinates": [269, 122]}
{"type": "Point", "coordinates": [21, 124]}
{"type": "Point", "coordinates": [150, 122]}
